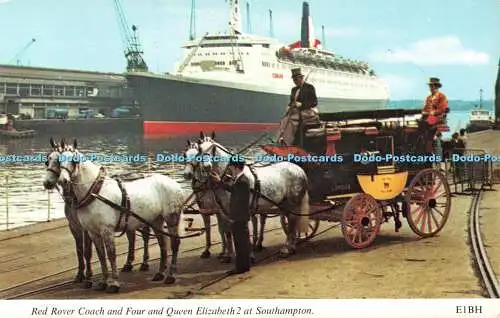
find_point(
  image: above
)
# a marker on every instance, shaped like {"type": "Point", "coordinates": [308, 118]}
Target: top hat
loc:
{"type": "Point", "coordinates": [434, 81]}
{"type": "Point", "coordinates": [296, 73]}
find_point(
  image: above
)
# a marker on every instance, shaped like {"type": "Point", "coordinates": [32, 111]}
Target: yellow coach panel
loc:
{"type": "Point", "coordinates": [383, 186]}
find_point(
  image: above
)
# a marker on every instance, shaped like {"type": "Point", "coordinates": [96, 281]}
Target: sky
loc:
{"type": "Point", "coordinates": [405, 41]}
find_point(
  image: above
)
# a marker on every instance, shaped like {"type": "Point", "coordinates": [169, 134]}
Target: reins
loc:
{"type": "Point", "coordinates": [93, 193]}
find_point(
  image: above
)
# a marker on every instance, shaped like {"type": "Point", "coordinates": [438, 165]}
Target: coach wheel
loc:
{"type": "Point", "coordinates": [429, 202]}
{"type": "Point", "coordinates": [301, 237]}
{"type": "Point", "coordinates": [361, 220]}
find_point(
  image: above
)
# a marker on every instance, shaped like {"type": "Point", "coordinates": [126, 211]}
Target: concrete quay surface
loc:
{"type": "Point", "coordinates": [397, 265]}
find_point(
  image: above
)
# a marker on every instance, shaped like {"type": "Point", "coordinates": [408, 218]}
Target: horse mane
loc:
{"type": "Point", "coordinates": [213, 141]}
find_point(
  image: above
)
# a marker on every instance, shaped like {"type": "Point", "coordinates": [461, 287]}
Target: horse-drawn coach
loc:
{"type": "Point", "coordinates": [387, 169]}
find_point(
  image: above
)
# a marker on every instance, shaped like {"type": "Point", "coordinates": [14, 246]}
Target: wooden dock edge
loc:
{"type": "Point", "coordinates": [32, 229]}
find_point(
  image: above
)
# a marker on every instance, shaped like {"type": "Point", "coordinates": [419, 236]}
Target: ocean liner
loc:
{"type": "Point", "coordinates": [238, 82]}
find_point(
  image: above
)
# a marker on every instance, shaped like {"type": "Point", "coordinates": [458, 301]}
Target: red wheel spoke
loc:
{"type": "Point", "coordinates": [439, 212]}
{"type": "Point", "coordinates": [434, 199]}
{"type": "Point", "coordinates": [434, 219]}
{"type": "Point", "coordinates": [422, 225]}
{"type": "Point", "coordinates": [438, 186]}
{"type": "Point", "coordinates": [359, 210]}
{"type": "Point", "coordinates": [421, 208]}
{"type": "Point", "coordinates": [429, 225]}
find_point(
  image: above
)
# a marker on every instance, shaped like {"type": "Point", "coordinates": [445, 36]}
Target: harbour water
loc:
{"type": "Point", "coordinates": [23, 199]}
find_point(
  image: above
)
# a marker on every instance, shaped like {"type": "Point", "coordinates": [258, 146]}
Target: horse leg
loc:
{"type": "Point", "coordinates": [131, 251]}
{"type": "Point", "coordinates": [255, 233]}
{"type": "Point", "coordinates": [173, 228]}
{"type": "Point", "coordinates": [263, 219]}
{"type": "Point", "coordinates": [291, 237]}
{"type": "Point", "coordinates": [145, 256]}
{"type": "Point", "coordinates": [230, 247]}
{"type": "Point", "coordinates": [254, 220]}
{"type": "Point", "coordinates": [297, 223]}
{"type": "Point", "coordinates": [208, 237]}
{"type": "Point", "coordinates": [109, 243]}
{"type": "Point", "coordinates": [87, 253]}
{"type": "Point", "coordinates": [222, 233]}
{"type": "Point", "coordinates": [77, 233]}
{"type": "Point", "coordinates": [101, 253]}
{"type": "Point", "coordinates": [160, 275]}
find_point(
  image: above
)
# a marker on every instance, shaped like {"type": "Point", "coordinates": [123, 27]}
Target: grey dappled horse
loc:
{"type": "Point", "coordinates": [284, 183]}
{"type": "Point", "coordinates": [83, 243]}
{"type": "Point", "coordinates": [206, 200]}
{"type": "Point", "coordinates": [155, 199]}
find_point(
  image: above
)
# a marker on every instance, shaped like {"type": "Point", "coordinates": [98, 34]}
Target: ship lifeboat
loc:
{"type": "Point", "coordinates": [284, 52]}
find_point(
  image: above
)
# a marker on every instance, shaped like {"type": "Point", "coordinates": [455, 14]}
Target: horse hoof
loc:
{"type": "Point", "coordinates": [205, 254]}
{"type": "Point", "coordinates": [144, 267]}
{"type": "Point", "coordinates": [113, 289]}
{"type": "Point", "coordinates": [158, 276]}
{"type": "Point", "coordinates": [127, 268]}
{"type": "Point", "coordinates": [87, 284]}
{"type": "Point", "coordinates": [101, 286]}
{"type": "Point", "coordinates": [259, 248]}
{"type": "Point", "coordinates": [225, 259]}
{"type": "Point", "coordinates": [284, 253]}
{"type": "Point", "coordinates": [78, 278]}
{"type": "Point", "coordinates": [169, 280]}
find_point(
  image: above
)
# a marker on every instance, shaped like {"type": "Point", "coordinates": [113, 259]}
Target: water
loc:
{"type": "Point", "coordinates": [28, 202]}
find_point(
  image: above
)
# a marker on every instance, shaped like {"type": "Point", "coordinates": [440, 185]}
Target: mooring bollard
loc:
{"type": "Point", "coordinates": [7, 202]}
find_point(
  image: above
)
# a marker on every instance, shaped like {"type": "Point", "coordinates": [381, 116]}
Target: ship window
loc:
{"type": "Point", "coordinates": [265, 45]}
{"type": "Point", "coordinates": [227, 45]}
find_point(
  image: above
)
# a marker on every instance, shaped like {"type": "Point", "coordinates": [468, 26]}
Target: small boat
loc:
{"type": "Point", "coordinates": [7, 129]}
{"type": "Point", "coordinates": [17, 134]}
{"type": "Point", "coordinates": [480, 118]}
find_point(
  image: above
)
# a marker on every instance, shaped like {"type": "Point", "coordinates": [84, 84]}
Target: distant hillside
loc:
{"type": "Point", "coordinates": [455, 105]}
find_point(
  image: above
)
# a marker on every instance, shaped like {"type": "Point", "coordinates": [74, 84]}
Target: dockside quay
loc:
{"type": "Point", "coordinates": [40, 93]}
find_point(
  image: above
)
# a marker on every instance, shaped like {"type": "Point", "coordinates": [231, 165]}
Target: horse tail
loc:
{"type": "Point", "coordinates": [303, 224]}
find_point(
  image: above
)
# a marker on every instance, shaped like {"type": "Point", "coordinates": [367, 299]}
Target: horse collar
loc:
{"type": "Point", "coordinates": [95, 188]}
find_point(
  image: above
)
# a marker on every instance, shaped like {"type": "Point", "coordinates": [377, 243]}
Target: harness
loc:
{"type": "Point", "coordinates": [255, 193]}
{"type": "Point", "coordinates": [91, 195]}
{"type": "Point", "coordinates": [254, 206]}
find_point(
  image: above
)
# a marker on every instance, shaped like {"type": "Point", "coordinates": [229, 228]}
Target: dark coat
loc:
{"type": "Point", "coordinates": [239, 210]}
{"type": "Point", "coordinates": [307, 96]}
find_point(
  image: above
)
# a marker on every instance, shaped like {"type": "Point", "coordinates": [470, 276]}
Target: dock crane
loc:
{"type": "Point", "coordinates": [133, 51]}
{"type": "Point", "coordinates": [17, 57]}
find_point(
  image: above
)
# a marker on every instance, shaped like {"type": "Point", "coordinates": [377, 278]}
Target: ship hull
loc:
{"type": "Point", "coordinates": [177, 106]}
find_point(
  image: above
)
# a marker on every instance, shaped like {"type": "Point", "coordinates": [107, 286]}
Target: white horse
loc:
{"type": "Point", "coordinates": [83, 243]}
{"type": "Point", "coordinates": [282, 184]}
{"type": "Point", "coordinates": [155, 199]}
{"type": "Point", "coordinates": [205, 197]}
